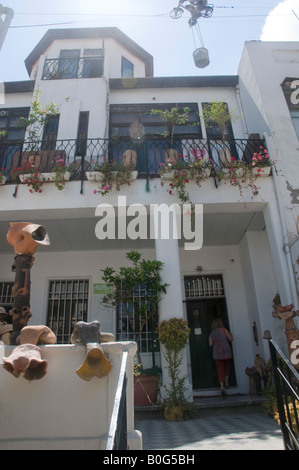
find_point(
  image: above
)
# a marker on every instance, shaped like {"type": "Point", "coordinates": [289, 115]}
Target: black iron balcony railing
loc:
{"type": "Point", "coordinates": [83, 155]}
{"type": "Point", "coordinates": [286, 382]}
{"type": "Point", "coordinates": [81, 67]}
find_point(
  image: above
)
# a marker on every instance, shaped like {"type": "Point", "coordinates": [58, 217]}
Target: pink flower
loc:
{"type": "Point", "coordinates": [95, 191]}
{"type": "Point", "coordinates": [106, 187]}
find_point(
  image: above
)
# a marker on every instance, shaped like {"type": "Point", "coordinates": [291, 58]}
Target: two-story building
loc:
{"type": "Point", "coordinates": [105, 89]}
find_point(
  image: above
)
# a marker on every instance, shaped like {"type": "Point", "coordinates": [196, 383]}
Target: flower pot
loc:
{"type": "Point", "coordinates": [236, 173]}
{"type": "Point", "coordinates": [48, 177]}
{"type": "Point", "coordinates": [171, 156]}
{"type": "Point", "coordinates": [261, 171]}
{"type": "Point", "coordinates": [174, 413]}
{"type": "Point", "coordinates": [145, 389]}
{"type": "Point", "coordinates": [168, 175]}
{"type": "Point", "coordinates": [98, 175]}
{"type": "Point", "coordinates": [130, 159]}
{"type": "Point", "coordinates": [94, 176]}
{"type": "Point", "coordinates": [29, 177]}
{"type": "Point", "coordinates": [3, 180]}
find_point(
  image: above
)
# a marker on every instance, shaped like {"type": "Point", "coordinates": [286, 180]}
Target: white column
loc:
{"type": "Point", "coordinates": [167, 251]}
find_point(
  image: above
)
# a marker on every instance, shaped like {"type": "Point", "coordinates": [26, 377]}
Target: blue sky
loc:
{"type": "Point", "coordinates": [147, 22]}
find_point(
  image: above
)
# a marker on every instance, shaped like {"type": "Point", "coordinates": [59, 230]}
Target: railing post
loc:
{"type": "Point", "coordinates": [279, 392]}
{"type": "Point", "coordinates": [119, 410]}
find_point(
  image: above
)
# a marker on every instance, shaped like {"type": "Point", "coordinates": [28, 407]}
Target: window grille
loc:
{"type": "Point", "coordinates": [204, 286]}
{"type": "Point", "coordinates": [67, 304]}
{"type": "Point", "coordinates": [6, 299]}
{"type": "Point", "coordinates": [130, 326]}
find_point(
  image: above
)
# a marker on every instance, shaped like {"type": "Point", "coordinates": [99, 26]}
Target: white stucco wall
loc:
{"type": "Point", "coordinates": [61, 411]}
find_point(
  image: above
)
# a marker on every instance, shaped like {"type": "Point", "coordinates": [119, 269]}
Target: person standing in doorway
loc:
{"type": "Point", "coordinates": [220, 338]}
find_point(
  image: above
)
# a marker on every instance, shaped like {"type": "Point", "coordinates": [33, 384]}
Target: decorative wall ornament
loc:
{"type": "Point", "coordinates": [95, 363]}
{"type": "Point", "coordinates": [26, 358]}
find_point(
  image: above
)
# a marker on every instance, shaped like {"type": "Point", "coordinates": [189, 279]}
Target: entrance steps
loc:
{"type": "Point", "coordinates": [234, 403]}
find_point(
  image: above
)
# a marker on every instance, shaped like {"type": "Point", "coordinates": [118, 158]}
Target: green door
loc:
{"type": "Point", "coordinates": [200, 315]}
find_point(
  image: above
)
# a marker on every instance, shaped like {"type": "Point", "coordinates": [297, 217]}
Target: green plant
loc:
{"type": "Point", "coordinates": [114, 174]}
{"type": "Point", "coordinates": [38, 117]}
{"type": "Point", "coordinates": [181, 173]}
{"type": "Point", "coordinates": [172, 117]}
{"type": "Point", "coordinates": [173, 334]}
{"type": "Point", "coordinates": [216, 113]}
{"type": "Point", "coordinates": [31, 176]}
{"type": "Point", "coordinates": [60, 168]}
{"type": "Point", "coordinates": [261, 159]}
{"type": "Point", "coordinates": [122, 287]}
{"type": "Point", "coordinates": [2, 175]}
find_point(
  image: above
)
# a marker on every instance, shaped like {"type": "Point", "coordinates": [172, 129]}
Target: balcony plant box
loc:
{"type": "Point", "coordinates": [261, 171]}
{"type": "Point", "coordinates": [97, 176]}
{"type": "Point", "coordinates": [45, 177]}
{"type": "Point", "coordinates": [50, 177]}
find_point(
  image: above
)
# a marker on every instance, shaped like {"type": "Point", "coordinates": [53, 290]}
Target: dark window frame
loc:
{"type": "Point", "coordinates": [121, 119]}
{"type": "Point", "coordinates": [63, 306]}
{"type": "Point", "coordinates": [127, 68]}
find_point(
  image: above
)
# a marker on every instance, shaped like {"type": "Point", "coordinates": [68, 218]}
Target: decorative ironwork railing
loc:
{"type": "Point", "coordinates": [81, 67]}
{"type": "Point", "coordinates": [117, 435]}
{"type": "Point", "coordinates": [286, 381]}
{"type": "Point", "coordinates": [84, 155]}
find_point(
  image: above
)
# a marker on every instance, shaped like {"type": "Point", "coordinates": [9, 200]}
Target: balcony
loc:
{"type": "Point", "coordinates": [81, 67]}
{"type": "Point", "coordinates": [82, 156]}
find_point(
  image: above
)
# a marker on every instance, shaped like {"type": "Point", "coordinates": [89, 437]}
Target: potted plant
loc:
{"type": "Point", "coordinates": [241, 174]}
{"type": "Point", "coordinates": [217, 114]}
{"type": "Point", "coordinates": [139, 311]}
{"type": "Point", "coordinates": [180, 173]}
{"type": "Point", "coordinates": [172, 117]}
{"type": "Point", "coordinates": [261, 162]}
{"type": "Point", "coordinates": [30, 175]}
{"type": "Point", "coordinates": [111, 175]}
{"type": "Point", "coordinates": [2, 176]}
{"type": "Point", "coordinates": [59, 174]}
{"type": "Point", "coordinates": [173, 335]}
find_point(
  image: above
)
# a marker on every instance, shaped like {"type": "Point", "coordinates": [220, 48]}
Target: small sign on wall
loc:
{"type": "Point", "coordinates": [100, 288]}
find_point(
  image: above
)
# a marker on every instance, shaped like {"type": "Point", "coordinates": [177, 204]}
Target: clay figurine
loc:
{"type": "Point", "coordinates": [95, 363]}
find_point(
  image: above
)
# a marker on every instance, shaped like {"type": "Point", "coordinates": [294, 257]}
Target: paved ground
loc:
{"type": "Point", "coordinates": [221, 428]}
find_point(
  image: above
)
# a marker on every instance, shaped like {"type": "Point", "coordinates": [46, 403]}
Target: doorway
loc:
{"type": "Point", "coordinates": [200, 315]}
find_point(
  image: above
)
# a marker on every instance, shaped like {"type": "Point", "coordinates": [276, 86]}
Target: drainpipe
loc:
{"type": "Point", "coordinates": [286, 245]}
{"type": "Point", "coordinates": [245, 128]}
{"type": "Point", "coordinates": [4, 25]}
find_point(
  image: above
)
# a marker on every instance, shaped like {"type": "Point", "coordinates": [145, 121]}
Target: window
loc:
{"type": "Point", "coordinates": [127, 68]}
{"type": "Point", "coordinates": [67, 304]}
{"type": "Point", "coordinates": [6, 299]}
{"type": "Point", "coordinates": [68, 63]}
{"type": "Point", "coordinates": [129, 326]}
{"type": "Point", "coordinates": [214, 131]}
{"type": "Point", "coordinates": [82, 133]}
{"type": "Point", "coordinates": [204, 286]}
{"type": "Point", "coordinates": [10, 123]}
{"type": "Point", "coordinates": [50, 133]}
{"type": "Point", "coordinates": [93, 63]}
{"type": "Point", "coordinates": [123, 116]}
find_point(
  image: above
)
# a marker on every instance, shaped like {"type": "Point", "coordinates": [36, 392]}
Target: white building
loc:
{"type": "Point", "coordinates": [103, 83]}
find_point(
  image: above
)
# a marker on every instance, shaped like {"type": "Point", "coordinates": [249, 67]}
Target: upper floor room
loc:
{"type": "Point", "coordinates": [88, 53]}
